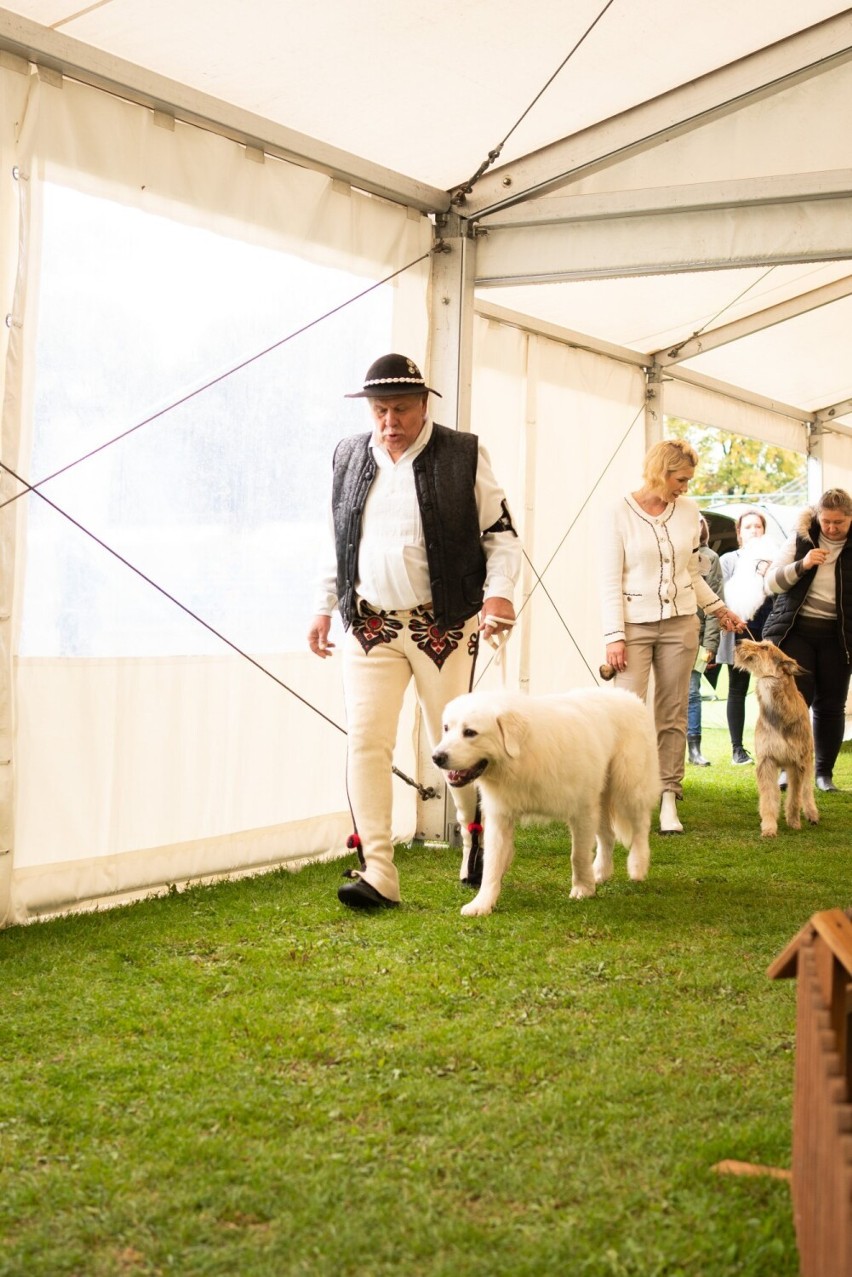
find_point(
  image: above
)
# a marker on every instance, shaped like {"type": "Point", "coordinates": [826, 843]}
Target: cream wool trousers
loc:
{"type": "Point", "coordinates": [401, 646]}
{"type": "Point", "coordinates": [669, 649]}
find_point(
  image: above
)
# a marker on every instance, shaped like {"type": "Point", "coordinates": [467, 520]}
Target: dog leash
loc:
{"type": "Point", "coordinates": [497, 641]}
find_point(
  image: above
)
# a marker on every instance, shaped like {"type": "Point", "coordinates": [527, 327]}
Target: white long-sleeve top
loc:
{"type": "Point", "coordinates": [393, 571]}
{"type": "Point", "coordinates": [650, 566]}
{"type": "Point", "coordinates": [785, 570]}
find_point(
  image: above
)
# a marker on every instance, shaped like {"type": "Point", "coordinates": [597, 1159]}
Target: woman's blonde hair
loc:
{"type": "Point", "coordinates": [664, 458]}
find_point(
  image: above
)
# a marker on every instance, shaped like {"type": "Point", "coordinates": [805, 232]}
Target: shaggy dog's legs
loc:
{"type": "Point", "coordinates": [583, 828]}
{"type": "Point", "coordinates": [497, 851]}
{"type": "Point", "coordinates": [800, 797]}
{"type": "Point", "coordinates": [770, 796]}
{"type": "Point", "coordinates": [793, 805]}
{"type": "Point", "coordinates": [639, 857]}
{"type": "Point", "coordinates": [602, 866]}
{"type": "Point", "coordinates": [809, 807]}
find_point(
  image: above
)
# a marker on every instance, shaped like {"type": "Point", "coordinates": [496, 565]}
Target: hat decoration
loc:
{"type": "Point", "coordinates": [393, 375]}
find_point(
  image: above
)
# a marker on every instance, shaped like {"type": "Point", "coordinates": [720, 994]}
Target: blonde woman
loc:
{"type": "Point", "coordinates": [652, 589]}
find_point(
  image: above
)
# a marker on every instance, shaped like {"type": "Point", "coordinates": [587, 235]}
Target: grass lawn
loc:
{"type": "Point", "coordinates": [247, 1080]}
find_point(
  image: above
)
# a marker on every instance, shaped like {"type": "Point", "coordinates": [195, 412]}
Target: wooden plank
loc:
{"type": "Point", "coordinates": [835, 928]}
{"type": "Point", "coordinates": [784, 967]}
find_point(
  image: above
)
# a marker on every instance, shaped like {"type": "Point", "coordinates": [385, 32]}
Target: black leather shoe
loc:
{"type": "Point", "coordinates": [358, 894]}
{"type": "Point", "coordinates": [827, 785]}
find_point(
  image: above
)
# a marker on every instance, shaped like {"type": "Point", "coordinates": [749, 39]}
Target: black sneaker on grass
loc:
{"type": "Point", "coordinates": [740, 757]}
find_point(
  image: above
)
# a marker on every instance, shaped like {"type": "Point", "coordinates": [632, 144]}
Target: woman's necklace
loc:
{"type": "Point", "coordinates": [650, 502]}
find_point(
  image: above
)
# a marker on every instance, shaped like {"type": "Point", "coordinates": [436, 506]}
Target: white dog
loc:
{"type": "Point", "coordinates": [586, 757]}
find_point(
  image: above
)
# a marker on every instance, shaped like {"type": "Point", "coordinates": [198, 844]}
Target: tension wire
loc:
{"type": "Point", "coordinates": [675, 351]}
{"type": "Point", "coordinates": [424, 791]}
{"type": "Point", "coordinates": [539, 575]}
{"type": "Point", "coordinates": [493, 155]}
{"type": "Point", "coordinates": [161, 412]}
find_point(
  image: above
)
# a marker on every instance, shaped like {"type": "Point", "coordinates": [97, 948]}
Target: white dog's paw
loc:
{"type": "Point", "coordinates": [637, 867]}
{"type": "Point", "coordinates": [581, 892]}
{"type": "Point", "coordinates": [477, 908]}
{"type": "Point", "coordinates": [602, 871]}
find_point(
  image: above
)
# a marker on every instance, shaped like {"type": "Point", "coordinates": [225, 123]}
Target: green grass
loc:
{"type": "Point", "coordinates": [249, 1080]}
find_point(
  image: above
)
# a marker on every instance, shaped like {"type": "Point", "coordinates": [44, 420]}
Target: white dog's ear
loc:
{"type": "Point", "coordinates": [512, 730]}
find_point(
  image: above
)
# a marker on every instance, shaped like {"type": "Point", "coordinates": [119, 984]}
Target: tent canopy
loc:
{"type": "Point", "coordinates": [691, 176]}
{"type": "Point", "coordinates": [582, 217]}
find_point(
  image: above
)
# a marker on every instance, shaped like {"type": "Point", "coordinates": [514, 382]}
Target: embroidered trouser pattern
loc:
{"type": "Point", "coordinates": [382, 652]}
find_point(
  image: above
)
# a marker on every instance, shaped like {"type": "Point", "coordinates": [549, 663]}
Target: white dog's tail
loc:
{"type": "Point", "coordinates": [634, 779]}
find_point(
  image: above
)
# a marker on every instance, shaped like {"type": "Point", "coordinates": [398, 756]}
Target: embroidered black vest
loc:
{"type": "Point", "coordinates": [444, 478]}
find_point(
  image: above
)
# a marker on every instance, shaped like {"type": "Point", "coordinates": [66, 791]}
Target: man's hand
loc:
{"type": "Point", "coordinates": [496, 620]}
{"type": "Point", "coordinates": [318, 636]}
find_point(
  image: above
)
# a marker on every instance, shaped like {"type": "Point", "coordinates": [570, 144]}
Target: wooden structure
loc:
{"type": "Point", "coordinates": [820, 957]}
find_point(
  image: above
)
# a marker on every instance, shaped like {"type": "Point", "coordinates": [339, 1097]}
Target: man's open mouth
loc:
{"type": "Point", "coordinates": [466, 777]}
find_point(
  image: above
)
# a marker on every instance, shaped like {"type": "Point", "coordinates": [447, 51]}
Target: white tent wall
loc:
{"type": "Point", "coordinates": [835, 451]}
{"type": "Point", "coordinates": [770, 423]}
{"type": "Point", "coordinates": [13, 88]}
{"type": "Point", "coordinates": [566, 430]}
{"type": "Point", "coordinates": [132, 772]}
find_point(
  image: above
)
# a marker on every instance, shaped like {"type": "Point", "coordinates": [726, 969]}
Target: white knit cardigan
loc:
{"type": "Point", "coordinates": [650, 567]}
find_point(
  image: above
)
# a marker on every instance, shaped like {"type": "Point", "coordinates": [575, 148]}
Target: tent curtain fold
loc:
{"type": "Point", "coordinates": [121, 773]}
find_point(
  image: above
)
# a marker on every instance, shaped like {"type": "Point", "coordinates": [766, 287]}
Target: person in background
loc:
{"type": "Point", "coordinates": [708, 643]}
{"type": "Point", "coordinates": [743, 573]}
{"type": "Point", "coordinates": [811, 618]}
{"type": "Point", "coordinates": [651, 591]}
{"type": "Point", "coordinates": [424, 558]}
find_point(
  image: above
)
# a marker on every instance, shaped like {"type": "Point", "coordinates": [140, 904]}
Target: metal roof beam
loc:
{"type": "Point", "coordinates": [694, 197]}
{"type": "Point", "coordinates": [826, 416]}
{"type": "Point", "coordinates": [757, 322]}
{"type": "Point", "coordinates": [78, 61]}
{"type": "Point", "coordinates": [804, 231]}
{"type": "Point", "coordinates": [680, 111]}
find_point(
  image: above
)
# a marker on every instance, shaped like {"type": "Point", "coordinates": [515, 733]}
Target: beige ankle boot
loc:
{"type": "Point", "coordinates": [669, 823]}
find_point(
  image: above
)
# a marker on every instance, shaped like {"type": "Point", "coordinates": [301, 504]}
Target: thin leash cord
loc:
{"type": "Point", "coordinates": [424, 792]}
{"type": "Point", "coordinates": [539, 575]}
{"type": "Point", "coordinates": [192, 394]}
{"type": "Point", "coordinates": [467, 187]}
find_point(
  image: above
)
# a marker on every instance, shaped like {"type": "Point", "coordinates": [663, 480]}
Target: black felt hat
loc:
{"type": "Point", "coordinates": [393, 375]}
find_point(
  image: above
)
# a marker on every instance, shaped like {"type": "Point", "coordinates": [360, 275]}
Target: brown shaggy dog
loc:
{"type": "Point", "coordinates": [782, 735]}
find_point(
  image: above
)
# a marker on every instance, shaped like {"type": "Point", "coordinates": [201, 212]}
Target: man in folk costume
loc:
{"type": "Point", "coordinates": [425, 559]}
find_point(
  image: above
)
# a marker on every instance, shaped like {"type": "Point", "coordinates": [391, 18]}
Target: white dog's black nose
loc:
{"type": "Point", "coordinates": [439, 758]}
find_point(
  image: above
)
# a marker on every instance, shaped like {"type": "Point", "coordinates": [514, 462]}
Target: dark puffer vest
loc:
{"type": "Point", "coordinates": [786, 606]}
{"type": "Point", "coordinates": [444, 477]}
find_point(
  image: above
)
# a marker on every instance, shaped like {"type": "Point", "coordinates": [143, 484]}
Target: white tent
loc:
{"type": "Point", "coordinates": [213, 216]}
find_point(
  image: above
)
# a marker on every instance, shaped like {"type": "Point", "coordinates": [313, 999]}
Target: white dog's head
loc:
{"type": "Point", "coordinates": [479, 733]}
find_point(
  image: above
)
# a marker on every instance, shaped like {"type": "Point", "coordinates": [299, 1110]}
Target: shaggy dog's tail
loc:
{"type": "Point", "coordinates": [633, 783]}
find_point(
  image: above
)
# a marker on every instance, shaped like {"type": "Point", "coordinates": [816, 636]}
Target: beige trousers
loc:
{"type": "Point", "coordinates": [669, 648]}
{"type": "Point", "coordinates": [381, 654]}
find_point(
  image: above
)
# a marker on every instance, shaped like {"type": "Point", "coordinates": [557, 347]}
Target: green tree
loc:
{"type": "Point", "coordinates": [735, 466]}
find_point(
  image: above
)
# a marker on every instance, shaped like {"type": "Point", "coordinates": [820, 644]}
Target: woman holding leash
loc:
{"type": "Point", "coordinates": [652, 589]}
{"type": "Point", "coordinates": [743, 572]}
{"type": "Point", "coordinates": [811, 618]}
